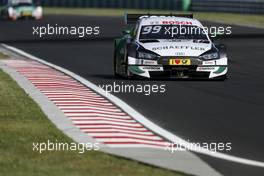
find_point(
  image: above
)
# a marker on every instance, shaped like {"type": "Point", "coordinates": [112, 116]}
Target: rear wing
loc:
{"type": "Point", "coordinates": [133, 18]}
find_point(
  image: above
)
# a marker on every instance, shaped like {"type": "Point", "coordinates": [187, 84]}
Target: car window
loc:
{"type": "Point", "coordinates": [14, 2]}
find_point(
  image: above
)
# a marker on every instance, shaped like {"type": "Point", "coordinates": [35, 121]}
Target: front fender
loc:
{"type": "Point", "coordinates": [222, 50]}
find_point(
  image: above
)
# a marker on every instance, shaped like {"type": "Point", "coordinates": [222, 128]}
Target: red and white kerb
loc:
{"type": "Point", "coordinates": [89, 111]}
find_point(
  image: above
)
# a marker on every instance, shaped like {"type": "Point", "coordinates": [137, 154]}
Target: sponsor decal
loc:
{"type": "Point", "coordinates": [180, 62]}
{"type": "Point", "coordinates": [134, 61]}
{"type": "Point", "coordinates": [209, 62]}
{"type": "Point", "coordinates": [26, 13]}
{"type": "Point", "coordinates": [149, 62]}
{"type": "Point", "coordinates": [177, 22]}
{"type": "Point", "coordinates": [152, 68]}
{"type": "Point", "coordinates": [154, 22]}
{"type": "Point", "coordinates": [206, 69]}
{"type": "Point", "coordinates": [177, 47]}
{"type": "Point", "coordinates": [179, 54]}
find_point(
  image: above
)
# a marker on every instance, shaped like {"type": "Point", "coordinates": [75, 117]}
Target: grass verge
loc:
{"type": "Point", "coordinates": [231, 18]}
{"type": "Point", "coordinates": [22, 123]}
{"type": "Point", "coordinates": [3, 56]}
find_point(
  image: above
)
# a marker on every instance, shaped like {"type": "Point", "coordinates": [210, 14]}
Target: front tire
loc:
{"type": "Point", "coordinates": [127, 74]}
{"type": "Point", "coordinates": [115, 66]}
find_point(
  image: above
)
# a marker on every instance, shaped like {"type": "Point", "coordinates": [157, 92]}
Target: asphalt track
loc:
{"type": "Point", "coordinates": [198, 111]}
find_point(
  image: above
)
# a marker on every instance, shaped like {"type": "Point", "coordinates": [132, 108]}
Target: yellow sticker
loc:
{"type": "Point", "coordinates": [180, 62]}
{"type": "Point", "coordinates": [26, 13]}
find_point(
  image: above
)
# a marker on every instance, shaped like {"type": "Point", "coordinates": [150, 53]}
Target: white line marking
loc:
{"type": "Point", "coordinates": [98, 115]}
{"type": "Point", "coordinates": [105, 126]}
{"type": "Point", "coordinates": [92, 123]}
{"type": "Point", "coordinates": [117, 130]}
{"type": "Point", "coordinates": [82, 101]}
{"type": "Point", "coordinates": [89, 107]}
{"type": "Point", "coordinates": [135, 146]}
{"type": "Point", "coordinates": [139, 117]}
{"type": "Point", "coordinates": [155, 142]}
{"type": "Point", "coordinates": [100, 118]}
{"type": "Point", "coordinates": [112, 135]}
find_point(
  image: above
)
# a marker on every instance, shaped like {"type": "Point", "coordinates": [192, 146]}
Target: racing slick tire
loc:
{"type": "Point", "coordinates": [115, 67]}
{"type": "Point", "coordinates": [123, 72]}
{"type": "Point", "coordinates": [127, 74]}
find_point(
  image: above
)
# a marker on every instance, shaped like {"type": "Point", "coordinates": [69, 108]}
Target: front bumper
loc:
{"type": "Point", "coordinates": [188, 68]}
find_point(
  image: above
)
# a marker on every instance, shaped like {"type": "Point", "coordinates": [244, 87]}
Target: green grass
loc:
{"type": "Point", "coordinates": [3, 56]}
{"type": "Point", "coordinates": [22, 123]}
{"type": "Point", "coordinates": [242, 19]}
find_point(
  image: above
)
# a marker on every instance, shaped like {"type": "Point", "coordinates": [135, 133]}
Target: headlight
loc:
{"type": "Point", "coordinates": [38, 12]}
{"type": "Point", "coordinates": [146, 55]}
{"type": "Point", "coordinates": [11, 11]}
{"type": "Point", "coordinates": [210, 56]}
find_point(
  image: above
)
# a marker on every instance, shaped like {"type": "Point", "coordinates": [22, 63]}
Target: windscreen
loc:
{"type": "Point", "coordinates": [16, 2]}
{"type": "Point", "coordinates": [155, 32]}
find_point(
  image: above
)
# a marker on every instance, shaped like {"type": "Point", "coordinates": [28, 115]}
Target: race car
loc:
{"type": "Point", "coordinates": [170, 46]}
{"type": "Point", "coordinates": [17, 9]}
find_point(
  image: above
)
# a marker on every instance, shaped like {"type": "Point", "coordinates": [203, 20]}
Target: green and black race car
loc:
{"type": "Point", "coordinates": [156, 46]}
{"type": "Point", "coordinates": [17, 9]}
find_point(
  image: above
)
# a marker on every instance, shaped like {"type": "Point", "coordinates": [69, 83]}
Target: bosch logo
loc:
{"type": "Point", "coordinates": [177, 22]}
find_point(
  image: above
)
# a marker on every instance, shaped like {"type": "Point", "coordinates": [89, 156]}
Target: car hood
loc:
{"type": "Point", "coordinates": [179, 48]}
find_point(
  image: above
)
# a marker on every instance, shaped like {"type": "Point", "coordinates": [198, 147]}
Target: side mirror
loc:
{"type": "Point", "coordinates": [126, 32]}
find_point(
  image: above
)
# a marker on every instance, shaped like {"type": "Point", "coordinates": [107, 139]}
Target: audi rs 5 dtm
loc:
{"type": "Point", "coordinates": [18, 9]}
{"type": "Point", "coordinates": [172, 46]}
